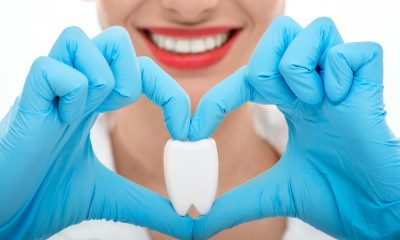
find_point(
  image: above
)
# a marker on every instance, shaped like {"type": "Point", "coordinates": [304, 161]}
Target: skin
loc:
{"type": "Point", "coordinates": [242, 154]}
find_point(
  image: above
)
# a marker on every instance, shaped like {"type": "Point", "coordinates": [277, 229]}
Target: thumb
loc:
{"type": "Point", "coordinates": [119, 199]}
{"type": "Point", "coordinates": [267, 195]}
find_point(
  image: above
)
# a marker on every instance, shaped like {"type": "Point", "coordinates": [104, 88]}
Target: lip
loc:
{"type": "Point", "coordinates": [189, 61]}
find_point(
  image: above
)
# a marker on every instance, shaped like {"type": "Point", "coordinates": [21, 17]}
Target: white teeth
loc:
{"type": "Point", "coordinates": [189, 45]}
{"type": "Point", "coordinates": [197, 46]}
{"type": "Point", "coordinates": [169, 44]}
{"type": "Point", "coordinates": [182, 46]}
{"type": "Point", "coordinates": [210, 42]}
{"type": "Point", "coordinates": [191, 174]}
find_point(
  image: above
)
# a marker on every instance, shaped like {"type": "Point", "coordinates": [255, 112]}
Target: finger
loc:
{"type": "Point", "coordinates": [49, 79]}
{"type": "Point", "coordinates": [263, 67]}
{"type": "Point", "coordinates": [165, 92]}
{"type": "Point", "coordinates": [302, 64]}
{"type": "Point", "coordinates": [222, 99]}
{"type": "Point", "coordinates": [118, 199]}
{"type": "Point", "coordinates": [259, 82]}
{"type": "Point", "coordinates": [75, 49]}
{"type": "Point", "coordinates": [116, 46]}
{"type": "Point", "coordinates": [265, 196]}
{"type": "Point", "coordinates": [363, 61]}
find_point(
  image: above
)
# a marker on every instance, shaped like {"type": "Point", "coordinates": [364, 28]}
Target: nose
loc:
{"type": "Point", "coordinates": [190, 11]}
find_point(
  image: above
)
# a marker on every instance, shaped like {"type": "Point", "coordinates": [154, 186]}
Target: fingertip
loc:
{"type": "Point", "coordinates": [195, 131]}
{"type": "Point", "coordinates": [208, 116]}
{"type": "Point", "coordinates": [146, 61]}
{"type": "Point", "coordinates": [177, 116]}
{"type": "Point", "coordinates": [71, 32]}
{"type": "Point", "coordinates": [119, 33]}
{"type": "Point", "coordinates": [324, 21]}
{"type": "Point", "coordinates": [219, 101]}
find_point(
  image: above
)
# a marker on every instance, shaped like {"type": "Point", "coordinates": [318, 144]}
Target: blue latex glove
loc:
{"type": "Point", "coordinates": [50, 177]}
{"type": "Point", "coordinates": [341, 168]}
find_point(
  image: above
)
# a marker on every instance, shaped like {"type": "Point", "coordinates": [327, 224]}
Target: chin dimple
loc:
{"type": "Point", "coordinates": [189, 45]}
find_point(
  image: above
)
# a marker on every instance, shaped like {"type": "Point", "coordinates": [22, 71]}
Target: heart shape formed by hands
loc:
{"type": "Point", "coordinates": [338, 173]}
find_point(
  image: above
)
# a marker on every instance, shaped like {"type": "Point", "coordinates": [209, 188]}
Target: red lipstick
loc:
{"type": "Point", "coordinates": [189, 61]}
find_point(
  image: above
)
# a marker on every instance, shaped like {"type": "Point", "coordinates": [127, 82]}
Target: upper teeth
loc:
{"type": "Point", "coordinates": [186, 45]}
{"type": "Point", "coordinates": [191, 174]}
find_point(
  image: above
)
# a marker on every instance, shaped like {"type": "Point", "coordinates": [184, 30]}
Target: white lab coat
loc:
{"type": "Point", "coordinates": [269, 124]}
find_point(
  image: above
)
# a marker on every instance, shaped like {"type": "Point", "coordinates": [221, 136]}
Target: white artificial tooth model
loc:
{"type": "Point", "coordinates": [191, 174]}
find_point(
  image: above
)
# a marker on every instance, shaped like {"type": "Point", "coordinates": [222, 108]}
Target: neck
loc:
{"type": "Point", "coordinates": [138, 137]}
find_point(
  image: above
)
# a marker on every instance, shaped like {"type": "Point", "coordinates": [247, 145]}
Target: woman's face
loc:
{"type": "Point", "coordinates": [198, 42]}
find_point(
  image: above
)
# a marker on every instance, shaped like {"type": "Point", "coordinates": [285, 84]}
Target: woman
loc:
{"type": "Point", "coordinates": [207, 40]}
{"type": "Point", "coordinates": [200, 24]}
{"type": "Point", "coordinates": [241, 23]}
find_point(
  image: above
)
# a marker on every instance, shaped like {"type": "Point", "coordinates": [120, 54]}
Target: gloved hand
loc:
{"type": "Point", "coordinates": [50, 176]}
{"type": "Point", "coordinates": [341, 168]}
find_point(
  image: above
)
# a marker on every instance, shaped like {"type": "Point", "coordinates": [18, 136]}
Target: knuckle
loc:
{"type": "Point", "coordinates": [131, 96]}
{"type": "Point", "coordinates": [81, 83]}
{"type": "Point", "coordinates": [179, 98]}
{"type": "Point", "coordinates": [334, 52]}
{"type": "Point", "coordinates": [105, 84]}
{"type": "Point", "coordinates": [119, 33]}
{"type": "Point", "coordinates": [373, 52]}
{"type": "Point", "coordinates": [146, 64]}
{"type": "Point", "coordinates": [145, 60]}
{"type": "Point", "coordinates": [72, 32]}
{"type": "Point", "coordinates": [287, 66]}
{"type": "Point", "coordinates": [378, 49]}
{"type": "Point", "coordinates": [40, 64]}
{"type": "Point", "coordinates": [252, 75]}
{"type": "Point", "coordinates": [283, 21]}
{"type": "Point", "coordinates": [325, 22]}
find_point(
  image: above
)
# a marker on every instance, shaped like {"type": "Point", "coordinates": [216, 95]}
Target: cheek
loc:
{"type": "Point", "coordinates": [115, 12]}
{"type": "Point", "coordinates": [262, 12]}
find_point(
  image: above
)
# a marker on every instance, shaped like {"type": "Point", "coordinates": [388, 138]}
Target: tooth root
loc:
{"type": "Point", "coordinates": [191, 174]}
{"type": "Point", "coordinates": [175, 178]}
{"type": "Point", "coordinates": [207, 188]}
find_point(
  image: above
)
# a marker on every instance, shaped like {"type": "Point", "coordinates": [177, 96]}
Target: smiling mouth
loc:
{"type": "Point", "coordinates": [189, 49]}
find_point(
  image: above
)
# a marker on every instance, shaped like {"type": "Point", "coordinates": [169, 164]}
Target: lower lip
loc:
{"type": "Point", "coordinates": [191, 61]}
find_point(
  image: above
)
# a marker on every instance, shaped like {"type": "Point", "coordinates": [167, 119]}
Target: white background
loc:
{"type": "Point", "coordinates": [28, 29]}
